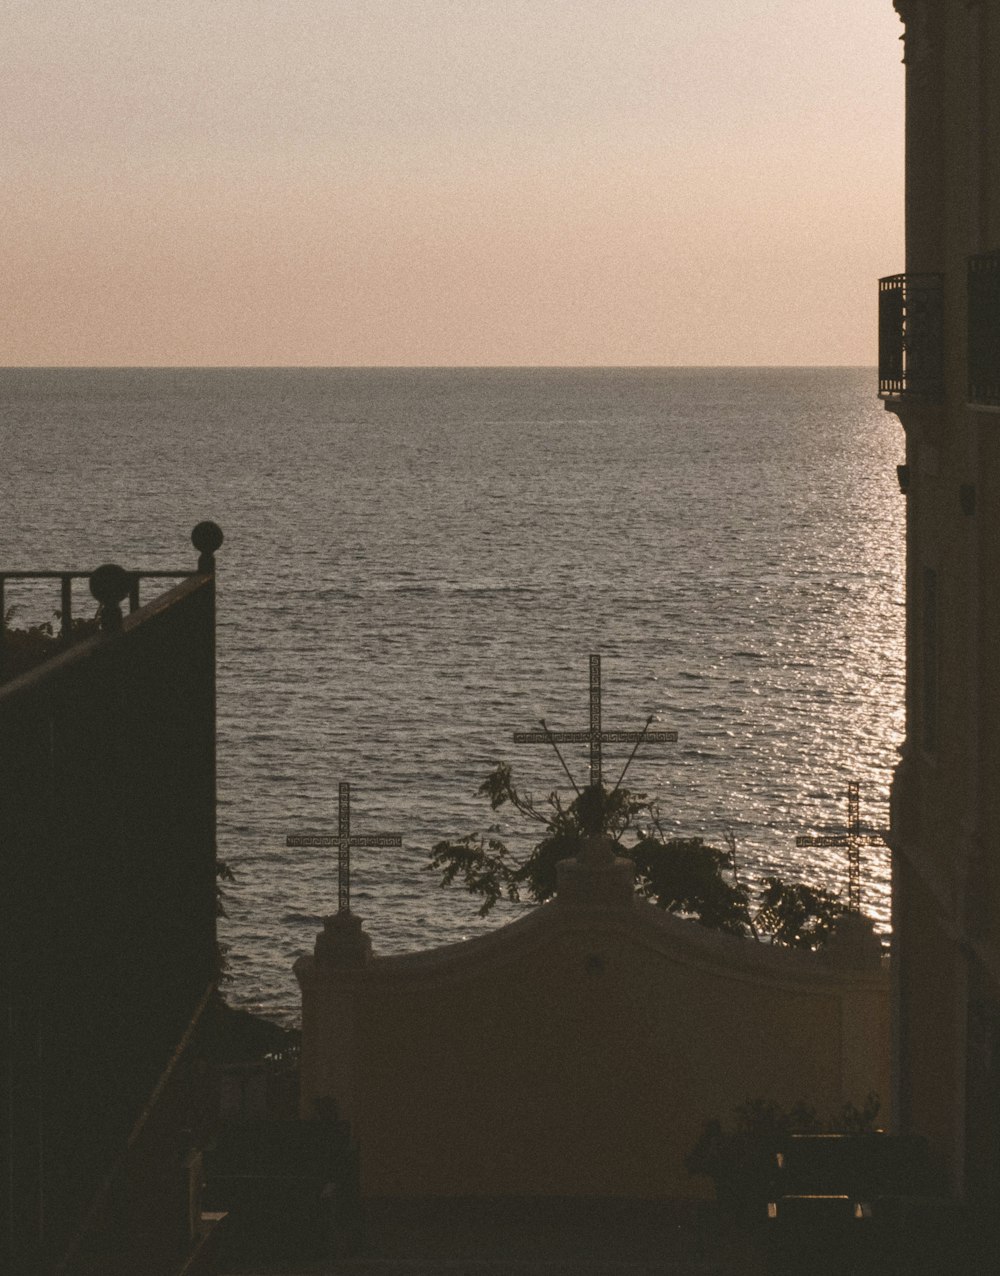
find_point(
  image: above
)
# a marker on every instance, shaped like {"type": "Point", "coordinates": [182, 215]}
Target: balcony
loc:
{"type": "Point", "coordinates": [984, 328]}
{"type": "Point", "coordinates": [21, 648]}
{"type": "Point", "coordinates": [910, 352]}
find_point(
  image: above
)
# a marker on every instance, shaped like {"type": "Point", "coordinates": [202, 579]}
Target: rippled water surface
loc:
{"type": "Point", "coordinates": [418, 563]}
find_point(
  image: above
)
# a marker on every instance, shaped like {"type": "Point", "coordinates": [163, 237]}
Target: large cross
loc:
{"type": "Point", "coordinates": [594, 735]}
{"type": "Point", "coordinates": [343, 841]}
{"type": "Point", "coordinates": [852, 839]}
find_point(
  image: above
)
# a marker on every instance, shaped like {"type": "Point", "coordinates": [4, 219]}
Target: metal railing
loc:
{"type": "Point", "coordinates": [984, 328]}
{"type": "Point", "coordinates": [910, 335]}
{"type": "Point", "coordinates": [66, 589]}
{"type": "Point", "coordinates": [108, 589]}
{"type": "Point", "coordinates": [66, 579]}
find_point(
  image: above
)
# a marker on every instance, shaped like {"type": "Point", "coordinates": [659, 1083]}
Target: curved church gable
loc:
{"type": "Point", "coordinates": [578, 1050]}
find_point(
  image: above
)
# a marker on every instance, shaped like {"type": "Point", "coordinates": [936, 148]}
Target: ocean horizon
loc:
{"type": "Point", "coordinates": [419, 561]}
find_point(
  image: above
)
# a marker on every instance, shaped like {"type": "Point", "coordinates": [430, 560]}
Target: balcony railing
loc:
{"type": "Point", "coordinates": [984, 328]}
{"type": "Point", "coordinates": [910, 351]}
{"type": "Point", "coordinates": [206, 539]}
{"type": "Point", "coordinates": [67, 622]}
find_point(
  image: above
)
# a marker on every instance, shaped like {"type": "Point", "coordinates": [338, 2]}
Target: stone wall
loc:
{"type": "Point", "coordinates": [578, 1050]}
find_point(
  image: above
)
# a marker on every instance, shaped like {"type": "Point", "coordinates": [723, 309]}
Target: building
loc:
{"type": "Point", "coordinates": [107, 919]}
{"type": "Point", "coordinates": [939, 372]}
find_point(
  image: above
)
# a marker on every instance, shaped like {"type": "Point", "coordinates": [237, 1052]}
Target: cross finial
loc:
{"type": "Point", "coordinates": [852, 839]}
{"type": "Point", "coordinates": [595, 736]}
{"type": "Point", "coordinates": [343, 841]}
{"type": "Point", "coordinates": [595, 720]}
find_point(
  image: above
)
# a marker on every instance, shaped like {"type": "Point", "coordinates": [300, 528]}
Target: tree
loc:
{"type": "Point", "coordinates": [797, 915]}
{"type": "Point", "coordinates": [681, 875]}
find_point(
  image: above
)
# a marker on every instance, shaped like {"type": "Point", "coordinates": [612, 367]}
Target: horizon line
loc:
{"type": "Point", "coordinates": [427, 367]}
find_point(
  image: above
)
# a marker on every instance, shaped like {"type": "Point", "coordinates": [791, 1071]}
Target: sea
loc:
{"type": "Point", "coordinates": [420, 562]}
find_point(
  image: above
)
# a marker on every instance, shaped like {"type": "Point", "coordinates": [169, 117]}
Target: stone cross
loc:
{"type": "Point", "coordinates": [343, 841]}
{"type": "Point", "coordinates": [852, 839]}
{"type": "Point", "coordinates": [594, 735]}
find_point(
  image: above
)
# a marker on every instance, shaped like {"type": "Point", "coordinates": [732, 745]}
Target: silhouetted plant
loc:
{"type": "Point", "coordinates": [760, 1117]}
{"type": "Point", "coordinates": [854, 1120]}
{"type": "Point", "coordinates": [738, 1158]}
{"type": "Point", "coordinates": [797, 915]}
{"type": "Point", "coordinates": [24, 648]}
{"type": "Point", "coordinates": [681, 875]}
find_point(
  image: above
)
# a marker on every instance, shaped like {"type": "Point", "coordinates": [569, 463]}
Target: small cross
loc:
{"type": "Point", "coordinates": [852, 839]}
{"type": "Point", "coordinates": [594, 736]}
{"type": "Point", "coordinates": [343, 841]}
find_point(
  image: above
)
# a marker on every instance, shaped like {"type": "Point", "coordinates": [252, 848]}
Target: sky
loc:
{"type": "Point", "coordinates": [447, 182]}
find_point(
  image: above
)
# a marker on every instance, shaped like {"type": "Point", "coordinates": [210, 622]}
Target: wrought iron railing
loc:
{"type": "Point", "coordinates": [984, 328]}
{"type": "Point", "coordinates": [206, 539]}
{"type": "Point", "coordinates": [66, 588]}
{"type": "Point", "coordinates": [910, 337]}
{"type": "Point", "coordinates": [68, 626]}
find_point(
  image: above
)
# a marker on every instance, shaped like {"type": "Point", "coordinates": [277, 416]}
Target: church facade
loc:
{"type": "Point", "coordinates": [579, 1050]}
{"type": "Point", "coordinates": [939, 371]}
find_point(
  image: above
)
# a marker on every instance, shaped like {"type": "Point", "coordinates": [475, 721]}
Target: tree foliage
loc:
{"type": "Point", "coordinates": [22, 648]}
{"type": "Point", "coordinates": [681, 875]}
{"type": "Point", "coordinates": [796, 914]}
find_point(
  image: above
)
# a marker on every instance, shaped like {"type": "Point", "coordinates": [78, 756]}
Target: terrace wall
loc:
{"type": "Point", "coordinates": [107, 891]}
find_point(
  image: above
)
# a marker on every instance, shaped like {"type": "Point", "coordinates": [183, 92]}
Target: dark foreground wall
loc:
{"type": "Point", "coordinates": [107, 892]}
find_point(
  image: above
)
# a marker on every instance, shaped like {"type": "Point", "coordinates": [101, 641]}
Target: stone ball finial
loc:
{"type": "Point", "coordinates": [206, 538]}
{"type": "Point", "coordinates": [110, 584]}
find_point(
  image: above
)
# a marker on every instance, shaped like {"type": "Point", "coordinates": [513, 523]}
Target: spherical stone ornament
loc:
{"type": "Point", "coordinates": [207, 537]}
{"type": "Point", "coordinates": [110, 584]}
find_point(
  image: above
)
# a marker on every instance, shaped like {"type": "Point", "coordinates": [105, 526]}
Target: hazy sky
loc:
{"type": "Point", "coordinates": [447, 181]}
